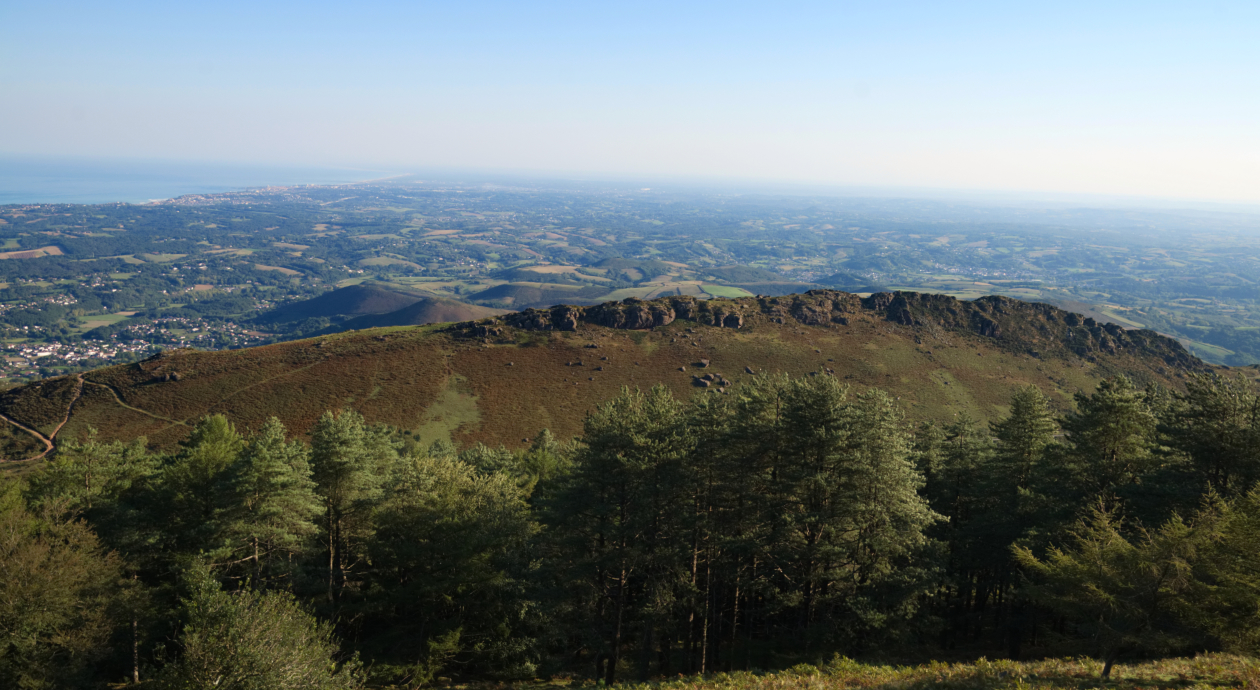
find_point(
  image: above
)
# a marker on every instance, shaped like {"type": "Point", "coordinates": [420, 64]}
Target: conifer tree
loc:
{"type": "Point", "coordinates": [448, 556]}
{"type": "Point", "coordinates": [1021, 439]}
{"type": "Point", "coordinates": [1216, 424]}
{"type": "Point", "coordinates": [1112, 442]}
{"type": "Point", "coordinates": [87, 473]}
{"type": "Point", "coordinates": [619, 518]}
{"type": "Point", "coordinates": [193, 488]}
{"type": "Point", "coordinates": [350, 463]}
{"type": "Point", "coordinates": [273, 503]}
{"type": "Point", "coordinates": [1128, 594]}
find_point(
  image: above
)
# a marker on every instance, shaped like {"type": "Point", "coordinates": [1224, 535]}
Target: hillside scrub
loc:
{"type": "Point", "coordinates": [775, 526]}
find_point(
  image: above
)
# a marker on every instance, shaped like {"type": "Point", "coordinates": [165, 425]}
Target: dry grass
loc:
{"type": "Point", "coordinates": [33, 253]}
{"type": "Point", "coordinates": [285, 271]}
{"type": "Point", "coordinates": [1207, 671]}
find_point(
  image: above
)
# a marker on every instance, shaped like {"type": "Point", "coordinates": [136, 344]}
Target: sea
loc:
{"type": "Point", "coordinates": [48, 180]}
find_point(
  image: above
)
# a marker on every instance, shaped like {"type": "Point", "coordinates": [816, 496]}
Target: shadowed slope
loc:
{"type": "Point", "coordinates": [428, 310]}
{"type": "Point", "coordinates": [347, 301]}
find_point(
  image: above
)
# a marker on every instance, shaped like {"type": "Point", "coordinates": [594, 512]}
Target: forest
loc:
{"type": "Point", "coordinates": [788, 522]}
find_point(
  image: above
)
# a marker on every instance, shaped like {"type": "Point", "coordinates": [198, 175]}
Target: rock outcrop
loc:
{"type": "Point", "coordinates": [1033, 328]}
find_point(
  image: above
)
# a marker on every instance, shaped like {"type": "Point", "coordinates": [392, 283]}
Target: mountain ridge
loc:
{"type": "Point", "coordinates": [501, 379]}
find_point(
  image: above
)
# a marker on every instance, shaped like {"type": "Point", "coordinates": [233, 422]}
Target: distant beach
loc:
{"type": "Point", "coordinates": [99, 181]}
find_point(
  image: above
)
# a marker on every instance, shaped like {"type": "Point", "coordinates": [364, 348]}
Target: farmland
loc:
{"type": "Point", "coordinates": [203, 270]}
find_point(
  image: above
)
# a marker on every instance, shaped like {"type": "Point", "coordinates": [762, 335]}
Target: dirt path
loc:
{"type": "Point", "coordinates": [118, 399]}
{"type": "Point", "coordinates": [78, 392]}
{"type": "Point", "coordinates": [48, 445]}
{"type": "Point", "coordinates": [48, 440]}
{"type": "Point", "coordinates": [259, 382]}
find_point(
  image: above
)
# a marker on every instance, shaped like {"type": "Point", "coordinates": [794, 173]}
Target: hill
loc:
{"type": "Point", "coordinates": [522, 295]}
{"type": "Point", "coordinates": [353, 300]}
{"type": "Point", "coordinates": [500, 380]}
{"type": "Point", "coordinates": [428, 310]}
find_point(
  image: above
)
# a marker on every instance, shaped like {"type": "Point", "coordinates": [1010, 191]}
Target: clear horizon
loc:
{"type": "Point", "coordinates": [1131, 101]}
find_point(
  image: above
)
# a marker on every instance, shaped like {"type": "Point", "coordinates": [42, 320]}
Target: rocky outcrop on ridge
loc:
{"type": "Point", "coordinates": [1035, 328]}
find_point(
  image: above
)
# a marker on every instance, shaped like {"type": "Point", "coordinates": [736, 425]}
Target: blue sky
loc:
{"type": "Point", "coordinates": [1143, 99]}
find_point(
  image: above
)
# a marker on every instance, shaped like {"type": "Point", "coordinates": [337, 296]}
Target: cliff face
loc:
{"type": "Point", "coordinates": [1041, 330]}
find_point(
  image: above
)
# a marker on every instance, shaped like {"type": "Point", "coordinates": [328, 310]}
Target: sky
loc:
{"type": "Point", "coordinates": [1143, 99]}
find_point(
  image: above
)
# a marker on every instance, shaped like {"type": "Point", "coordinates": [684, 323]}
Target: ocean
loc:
{"type": "Point", "coordinates": [99, 181]}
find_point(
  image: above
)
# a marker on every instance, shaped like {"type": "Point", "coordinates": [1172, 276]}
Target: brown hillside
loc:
{"type": "Point", "coordinates": [427, 311]}
{"type": "Point", "coordinates": [503, 379]}
{"type": "Point", "coordinates": [353, 300]}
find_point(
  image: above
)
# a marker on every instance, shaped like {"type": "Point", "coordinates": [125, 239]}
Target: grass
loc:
{"type": "Point", "coordinates": [387, 261]}
{"type": "Point", "coordinates": [725, 291]}
{"type": "Point", "coordinates": [90, 322]}
{"type": "Point", "coordinates": [50, 250]}
{"type": "Point", "coordinates": [1206, 671]}
{"type": "Point", "coordinates": [285, 271]}
{"type": "Point", "coordinates": [161, 258]}
{"type": "Point", "coordinates": [453, 408]}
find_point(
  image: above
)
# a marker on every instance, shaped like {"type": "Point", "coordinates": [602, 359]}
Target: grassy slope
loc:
{"type": "Point", "coordinates": [439, 381]}
{"type": "Point", "coordinates": [1207, 671]}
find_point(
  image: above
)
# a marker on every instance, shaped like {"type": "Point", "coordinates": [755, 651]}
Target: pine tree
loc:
{"type": "Point", "coordinates": [193, 487]}
{"type": "Point", "coordinates": [1021, 439]}
{"type": "Point", "coordinates": [619, 516]}
{"type": "Point", "coordinates": [85, 474]}
{"type": "Point", "coordinates": [447, 556]}
{"type": "Point", "coordinates": [273, 503]}
{"type": "Point", "coordinates": [1112, 442]}
{"type": "Point", "coordinates": [350, 464]}
{"type": "Point", "coordinates": [853, 514]}
{"type": "Point", "coordinates": [1216, 424]}
{"type": "Point", "coordinates": [1128, 594]}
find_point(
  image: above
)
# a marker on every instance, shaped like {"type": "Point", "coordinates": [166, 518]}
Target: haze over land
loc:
{"type": "Point", "coordinates": [709, 346]}
{"type": "Point", "coordinates": [1154, 100]}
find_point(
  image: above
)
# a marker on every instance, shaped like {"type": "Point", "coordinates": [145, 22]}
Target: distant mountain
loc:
{"type": "Point", "coordinates": [353, 300]}
{"type": "Point", "coordinates": [427, 310]}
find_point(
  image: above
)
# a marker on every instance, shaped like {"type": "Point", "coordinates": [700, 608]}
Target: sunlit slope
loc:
{"type": "Point", "coordinates": [501, 380]}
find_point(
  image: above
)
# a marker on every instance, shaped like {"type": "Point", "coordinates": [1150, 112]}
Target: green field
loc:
{"type": "Point", "coordinates": [725, 291]}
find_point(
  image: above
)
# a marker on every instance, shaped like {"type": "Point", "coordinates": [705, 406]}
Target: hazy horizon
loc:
{"type": "Point", "coordinates": [80, 180]}
{"type": "Point", "coordinates": [1125, 100]}
{"type": "Point", "coordinates": [1129, 100]}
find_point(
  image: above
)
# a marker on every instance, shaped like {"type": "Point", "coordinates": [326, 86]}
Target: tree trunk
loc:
{"type": "Point", "coordinates": [730, 660]}
{"type": "Point", "coordinates": [1109, 661]}
{"type": "Point", "coordinates": [610, 676]}
{"type": "Point", "coordinates": [135, 643]}
{"type": "Point", "coordinates": [331, 553]}
{"type": "Point", "coordinates": [663, 665]}
{"type": "Point", "coordinates": [645, 653]}
{"type": "Point", "coordinates": [704, 623]}
{"type": "Point", "coordinates": [135, 651]}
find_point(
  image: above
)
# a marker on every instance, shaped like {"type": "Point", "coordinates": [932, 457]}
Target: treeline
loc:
{"type": "Point", "coordinates": [785, 522]}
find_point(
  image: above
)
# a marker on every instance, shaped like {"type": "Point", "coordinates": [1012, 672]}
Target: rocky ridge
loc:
{"type": "Point", "coordinates": [1038, 329]}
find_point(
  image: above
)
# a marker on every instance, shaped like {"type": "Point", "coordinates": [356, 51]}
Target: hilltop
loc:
{"type": "Point", "coordinates": [428, 310]}
{"type": "Point", "coordinates": [500, 380]}
{"type": "Point", "coordinates": [353, 300]}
